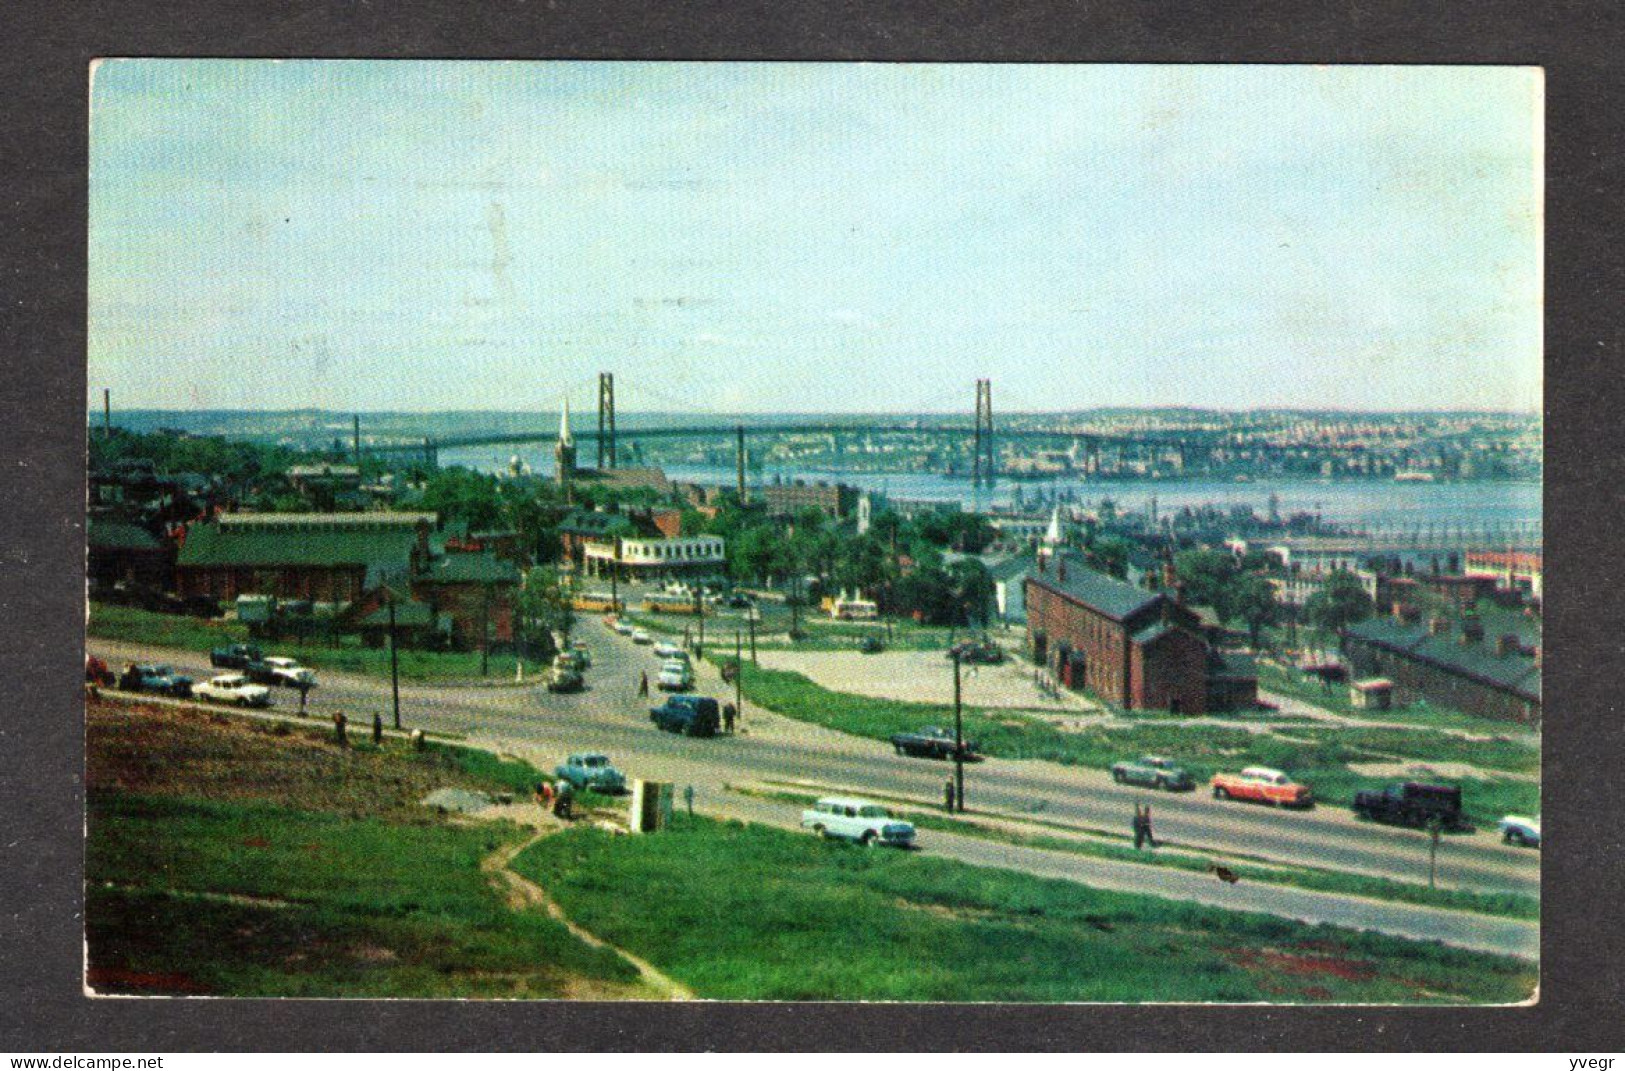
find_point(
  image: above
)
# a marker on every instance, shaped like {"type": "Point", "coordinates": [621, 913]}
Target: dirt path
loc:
{"type": "Point", "coordinates": [521, 893]}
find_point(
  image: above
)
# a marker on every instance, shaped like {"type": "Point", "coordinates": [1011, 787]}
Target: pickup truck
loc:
{"type": "Point", "coordinates": [236, 656]}
{"type": "Point", "coordinates": [932, 743]}
{"type": "Point", "coordinates": [1260, 784]}
{"type": "Point", "coordinates": [1154, 771]}
{"type": "Point", "coordinates": [1412, 804]}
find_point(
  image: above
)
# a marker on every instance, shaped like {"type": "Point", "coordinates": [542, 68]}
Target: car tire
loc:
{"type": "Point", "coordinates": [1220, 793]}
{"type": "Point", "coordinates": [820, 832]}
{"type": "Point", "coordinates": [868, 839]}
{"type": "Point", "coordinates": [1513, 836]}
{"type": "Point", "coordinates": [1160, 784]}
{"type": "Point", "coordinates": [1117, 775]}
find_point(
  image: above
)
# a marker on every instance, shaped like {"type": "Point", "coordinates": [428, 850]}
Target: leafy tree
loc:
{"type": "Point", "coordinates": [1208, 576]}
{"type": "Point", "coordinates": [1339, 603]}
{"type": "Point", "coordinates": [544, 602]}
{"type": "Point", "coordinates": [1251, 599]}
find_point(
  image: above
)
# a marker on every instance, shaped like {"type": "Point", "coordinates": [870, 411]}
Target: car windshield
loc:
{"type": "Point", "coordinates": [159, 671]}
{"type": "Point", "coordinates": [593, 760]}
{"type": "Point", "coordinates": [873, 811]}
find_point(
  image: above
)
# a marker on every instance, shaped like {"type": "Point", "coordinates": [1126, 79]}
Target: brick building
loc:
{"type": "Point", "coordinates": [478, 593]}
{"type": "Point", "coordinates": [325, 557]}
{"type": "Point", "coordinates": [1454, 665]}
{"type": "Point", "coordinates": [1134, 648]}
{"type": "Point", "coordinates": [836, 500]}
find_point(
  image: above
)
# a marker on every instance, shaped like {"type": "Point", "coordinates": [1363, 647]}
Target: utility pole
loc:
{"type": "Point", "coordinates": [699, 610]}
{"type": "Point", "coordinates": [107, 412]}
{"type": "Point", "coordinates": [739, 459]}
{"type": "Point", "coordinates": [394, 664]}
{"type": "Point", "coordinates": [615, 579]}
{"type": "Point", "coordinates": [1434, 829]}
{"type": "Point", "coordinates": [959, 744]}
{"type": "Point", "coordinates": [750, 616]}
{"type": "Point", "coordinates": [739, 678]}
{"type": "Point", "coordinates": [485, 628]}
{"type": "Point", "coordinates": [355, 440]}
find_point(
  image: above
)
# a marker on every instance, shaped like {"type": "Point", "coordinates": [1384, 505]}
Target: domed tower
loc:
{"type": "Point", "coordinates": [564, 454]}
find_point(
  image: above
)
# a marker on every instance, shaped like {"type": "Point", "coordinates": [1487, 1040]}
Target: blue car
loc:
{"type": "Point", "coordinates": [156, 678]}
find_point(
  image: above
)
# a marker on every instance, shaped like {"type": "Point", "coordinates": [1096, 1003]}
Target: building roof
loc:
{"type": "Point", "coordinates": [348, 521]}
{"type": "Point", "coordinates": [474, 568]}
{"type": "Point", "coordinates": [585, 522]}
{"type": "Point", "coordinates": [1114, 598]}
{"type": "Point", "coordinates": [102, 534]}
{"type": "Point", "coordinates": [1514, 672]}
{"type": "Point", "coordinates": [1152, 633]}
{"type": "Point", "coordinates": [409, 613]}
{"type": "Point", "coordinates": [219, 545]}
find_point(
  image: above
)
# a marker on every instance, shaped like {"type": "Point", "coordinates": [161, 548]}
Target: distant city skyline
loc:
{"type": "Point", "coordinates": [840, 238]}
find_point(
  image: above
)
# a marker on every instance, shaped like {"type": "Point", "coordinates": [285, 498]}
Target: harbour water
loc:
{"type": "Point", "coordinates": [1370, 505]}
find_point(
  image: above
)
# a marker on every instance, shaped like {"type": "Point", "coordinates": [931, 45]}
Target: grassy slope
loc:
{"type": "Point", "coordinates": [753, 913]}
{"type": "Point", "coordinates": [133, 625]}
{"type": "Point", "coordinates": [1318, 755]}
{"type": "Point", "coordinates": [353, 888]}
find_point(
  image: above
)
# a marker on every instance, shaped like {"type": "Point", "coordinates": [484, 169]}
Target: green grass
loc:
{"type": "Point", "coordinates": [339, 906]}
{"type": "Point", "coordinates": [1511, 905]}
{"type": "Point", "coordinates": [745, 912]}
{"type": "Point", "coordinates": [346, 655]}
{"type": "Point", "coordinates": [1315, 754]}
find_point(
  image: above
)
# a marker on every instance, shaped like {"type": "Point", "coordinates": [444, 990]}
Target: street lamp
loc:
{"type": "Point", "coordinates": [959, 743]}
{"type": "Point", "coordinates": [394, 664]}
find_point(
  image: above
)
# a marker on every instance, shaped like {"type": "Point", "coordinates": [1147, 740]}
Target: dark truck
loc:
{"type": "Point", "coordinates": [236, 656]}
{"type": "Point", "coordinates": [932, 743]}
{"type": "Point", "coordinates": [1412, 804]}
{"type": "Point", "coordinates": [690, 715]}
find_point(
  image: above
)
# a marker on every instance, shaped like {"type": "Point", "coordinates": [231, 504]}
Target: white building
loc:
{"type": "Point", "coordinates": [658, 559]}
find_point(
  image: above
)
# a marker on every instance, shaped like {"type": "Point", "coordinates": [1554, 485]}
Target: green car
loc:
{"type": "Point", "coordinates": [1154, 771]}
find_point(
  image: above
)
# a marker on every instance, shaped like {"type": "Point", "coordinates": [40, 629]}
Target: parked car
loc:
{"type": "Point", "coordinates": [157, 678]}
{"type": "Point", "coordinates": [572, 660]}
{"type": "Point", "coordinates": [233, 688]}
{"type": "Point", "coordinates": [580, 648]}
{"type": "Point", "coordinates": [96, 672]}
{"type": "Point", "coordinates": [737, 601]}
{"type": "Point", "coordinates": [934, 742]}
{"type": "Point", "coordinates": [1525, 832]}
{"type": "Point", "coordinates": [667, 649]}
{"type": "Point", "coordinates": [871, 645]}
{"type": "Point", "coordinates": [235, 656]}
{"type": "Point", "coordinates": [863, 821]}
{"type": "Point", "coordinates": [284, 672]}
{"type": "Point", "coordinates": [691, 715]}
{"type": "Point", "coordinates": [592, 770]}
{"type": "Point", "coordinates": [1260, 784]}
{"type": "Point", "coordinates": [1154, 771]}
{"type": "Point", "coordinates": [565, 679]}
{"type": "Point", "coordinates": [675, 676]}
{"type": "Point", "coordinates": [978, 652]}
{"type": "Point", "coordinates": [623, 628]}
{"type": "Point", "coordinates": [641, 636]}
{"type": "Point", "coordinates": [1411, 803]}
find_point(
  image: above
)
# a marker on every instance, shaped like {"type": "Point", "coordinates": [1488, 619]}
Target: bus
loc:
{"type": "Point", "coordinates": [598, 602]}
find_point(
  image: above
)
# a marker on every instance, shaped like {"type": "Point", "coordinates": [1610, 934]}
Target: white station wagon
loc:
{"type": "Point", "coordinates": [859, 820]}
{"type": "Point", "coordinates": [233, 688]}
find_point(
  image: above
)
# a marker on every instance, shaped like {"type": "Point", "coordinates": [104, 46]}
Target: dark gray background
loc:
{"type": "Point", "coordinates": [47, 48]}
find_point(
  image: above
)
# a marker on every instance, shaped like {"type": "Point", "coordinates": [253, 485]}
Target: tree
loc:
{"type": "Point", "coordinates": [544, 602]}
{"type": "Point", "coordinates": [1252, 599]}
{"type": "Point", "coordinates": [1339, 603]}
{"type": "Point", "coordinates": [1110, 554]}
{"type": "Point", "coordinates": [1208, 576]}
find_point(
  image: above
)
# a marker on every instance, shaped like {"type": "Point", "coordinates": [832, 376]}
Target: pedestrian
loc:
{"type": "Point", "coordinates": [339, 724]}
{"type": "Point", "coordinates": [688, 798]}
{"type": "Point", "coordinates": [728, 716]}
{"type": "Point", "coordinates": [562, 802]}
{"type": "Point", "coordinates": [1150, 835]}
{"type": "Point", "coordinates": [643, 685]}
{"type": "Point", "coordinates": [377, 730]}
{"type": "Point", "coordinates": [304, 694]}
{"type": "Point", "coordinates": [1138, 826]}
{"type": "Point", "coordinates": [948, 795]}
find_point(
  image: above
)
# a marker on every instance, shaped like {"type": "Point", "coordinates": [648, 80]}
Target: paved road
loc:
{"type": "Point", "coordinates": [609, 716]}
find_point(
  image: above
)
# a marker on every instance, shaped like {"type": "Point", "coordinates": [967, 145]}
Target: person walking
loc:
{"type": "Point", "coordinates": [948, 795]}
{"type": "Point", "coordinates": [728, 716]}
{"type": "Point", "coordinates": [1141, 827]}
{"type": "Point", "coordinates": [339, 724]}
{"type": "Point", "coordinates": [377, 730]}
{"type": "Point", "coordinates": [1150, 834]}
{"type": "Point", "coordinates": [643, 685]}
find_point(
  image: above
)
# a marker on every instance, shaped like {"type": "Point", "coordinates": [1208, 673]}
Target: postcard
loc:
{"type": "Point", "coordinates": [814, 531]}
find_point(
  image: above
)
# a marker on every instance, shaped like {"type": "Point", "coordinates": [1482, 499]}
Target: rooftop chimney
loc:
{"type": "Point", "coordinates": [1472, 630]}
{"type": "Point", "coordinates": [1506, 645]}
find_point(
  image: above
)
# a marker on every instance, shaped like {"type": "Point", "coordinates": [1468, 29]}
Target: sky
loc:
{"type": "Point", "coordinates": [755, 237]}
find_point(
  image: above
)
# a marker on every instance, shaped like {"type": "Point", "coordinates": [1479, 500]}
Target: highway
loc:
{"type": "Point", "coordinates": [609, 716]}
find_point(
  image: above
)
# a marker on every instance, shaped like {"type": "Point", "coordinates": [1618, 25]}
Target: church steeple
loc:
{"type": "Point", "coordinates": [564, 454]}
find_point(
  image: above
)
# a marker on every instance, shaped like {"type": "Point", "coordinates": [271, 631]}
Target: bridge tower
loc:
{"type": "Point", "coordinates": [739, 459]}
{"type": "Point", "coordinates": [982, 466]}
{"type": "Point", "coordinates": [606, 420]}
